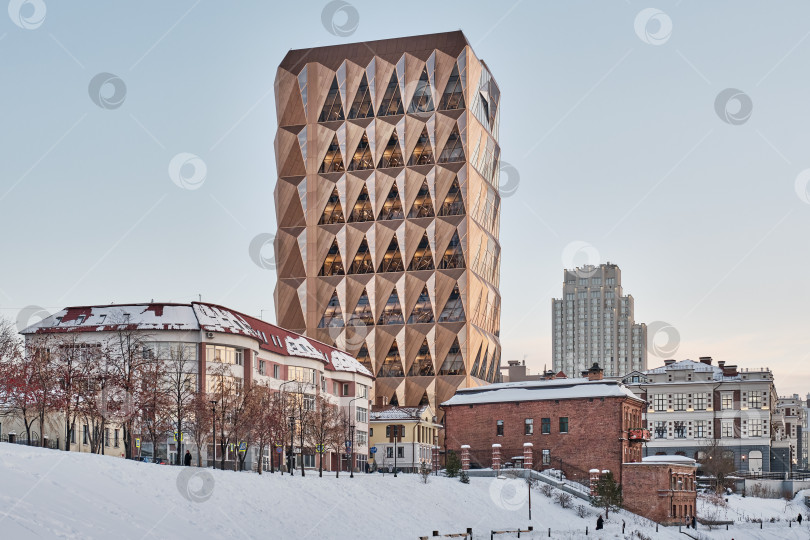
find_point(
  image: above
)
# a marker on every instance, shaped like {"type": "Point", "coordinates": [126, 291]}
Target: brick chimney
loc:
{"type": "Point", "coordinates": [729, 370]}
{"type": "Point", "coordinates": [594, 374]}
{"type": "Point", "coordinates": [706, 360]}
{"type": "Point", "coordinates": [721, 363]}
{"type": "Point", "coordinates": [669, 362]}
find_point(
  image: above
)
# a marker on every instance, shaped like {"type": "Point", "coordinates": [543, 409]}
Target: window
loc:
{"type": "Point", "coordinates": [345, 389]}
{"type": "Point", "coordinates": [755, 427]}
{"type": "Point", "coordinates": [528, 426]}
{"type": "Point", "coordinates": [727, 429]}
{"type": "Point", "coordinates": [107, 437]}
{"type": "Point", "coordinates": [545, 426]}
{"type": "Point", "coordinates": [680, 430]}
{"type": "Point", "coordinates": [72, 436]}
{"type": "Point", "coordinates": [727, 401]}
{"type": "Point", "coordinates": [362, 391]}
{"type": "Point", "coordinates": [700, 428]}
{"type": "Point", "coordinates": [361, 438]}
{"type": "Point", "coordinates": [309, 461]}
{"type": "Point", "coordinates": [679, 402]}
{"type": "Point", "coordinates": [362, 415]}
{"type": "Point", "coordinates": [499, 428]}
{"type": "Point", "coordinates": [302, 374]}
{"type": "Point", "coordinates": [660, 402]}
{"type": "Point", "coordinates": [334, 388]}
{"type": "Point", "coordinates": [370, 432]}
{"type": "Point", "coordinates": [754, 400]}
{"type": "Point", "coordinates": [84, 434]}
{"type": "Point", "coordinates": [660, 430]}
{"type": "Point", "coordinates": [224, 355]}
{"type": "Point", "coordinates": [546, 457]}
{"type": "Point", "coordinates": [309, 402]}
{"type": "Point", "coordinates": [699, 401]}
{"type": "Point", "coordinates": [389, 451]}
{"type": "Point", "coordinates": [277, 371]}
{"type": "Point", "coordinates": [563, 424]}
{"type": "Point", "coordinates": [262, 368]}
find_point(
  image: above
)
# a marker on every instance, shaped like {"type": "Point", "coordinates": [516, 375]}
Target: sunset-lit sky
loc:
{"type": "Point", "coordinates": [610, 120]}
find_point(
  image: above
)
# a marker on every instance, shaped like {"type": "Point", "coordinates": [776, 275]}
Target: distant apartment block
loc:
{"type": "Point", "coordinates": [593, 322]}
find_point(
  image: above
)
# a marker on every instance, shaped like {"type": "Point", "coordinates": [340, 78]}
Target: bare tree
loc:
{"type": "Point", "coordinates": [225, 390]}
{"type": "Point", "coordinates": [127, 360]}
{"type": "Point", "coordinates": [324, 422]}
{"type": "Point", "coordinates": [200, 422]}
{"type": "Point", "coordinates": [155, 401]}
{"type": "Point", "coordinates": [268, 421]}
{"type": "Point", "coordinates": [340, 435]}
{"type": "Point", "coordinates": [19, 390]}
{"type": "Point", "coordinates": [716, 462]}
{"type": "Point", "coordinates": [181, 382]}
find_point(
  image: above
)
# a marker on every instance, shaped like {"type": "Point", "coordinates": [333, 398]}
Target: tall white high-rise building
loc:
{"type": "Point", "coordinates": [593, 323]}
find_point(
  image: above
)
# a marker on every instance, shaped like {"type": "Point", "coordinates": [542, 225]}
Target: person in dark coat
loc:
{"type": "Point", "coordinates": [799, 519]}
{"type": "Point", "coordinates": [187, 459]}
{"type": "Point", "coordinates": [694, 522]}
{"type": "Point", "coordinates": [599, 522]}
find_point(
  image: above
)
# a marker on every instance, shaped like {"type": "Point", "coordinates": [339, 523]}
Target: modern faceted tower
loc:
{"type": "Point", "coordinates": [388, 210]}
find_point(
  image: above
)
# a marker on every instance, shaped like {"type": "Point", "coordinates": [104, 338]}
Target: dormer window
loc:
{"type": "Point", "coordinates": [81, 319]}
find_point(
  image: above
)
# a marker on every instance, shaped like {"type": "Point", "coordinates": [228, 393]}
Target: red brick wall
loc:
{"type": "Point", "coordinates": [647, 490]}
{"type": "Point", "coordinates": [596, 437]}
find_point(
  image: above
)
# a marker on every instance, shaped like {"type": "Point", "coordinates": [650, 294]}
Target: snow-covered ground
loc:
{"type": "Point", "coordinates": [51, 494]}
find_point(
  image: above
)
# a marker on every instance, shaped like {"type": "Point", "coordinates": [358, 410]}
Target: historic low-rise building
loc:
{"type": "Point", "coordinates": [662, 488]}
{"type": "Point", "coordinates": [571, 424]}
{"type": "Point", "coordinates": [207, 336]}
{"type": "Point", "coordinates": [403, 437]}
{"type": "Point", "coordinates": [692, 406]}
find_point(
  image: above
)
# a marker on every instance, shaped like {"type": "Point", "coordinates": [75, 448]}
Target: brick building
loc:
{"type": "Point", "coordinates": [661, 488]}
{"type": "Point", "coordinates": [573, 424]}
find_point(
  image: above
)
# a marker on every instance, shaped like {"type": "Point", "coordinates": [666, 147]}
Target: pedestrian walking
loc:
{"type": "Point", "coordinates": [799, 519]}
{"type": "Point", "coordinates": [187, 459]}
{"type": "Point", "coordinates": [599, 522]}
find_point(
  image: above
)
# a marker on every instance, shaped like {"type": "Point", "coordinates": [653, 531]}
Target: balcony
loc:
{"type": "Point", "coordinates": [638, 434]}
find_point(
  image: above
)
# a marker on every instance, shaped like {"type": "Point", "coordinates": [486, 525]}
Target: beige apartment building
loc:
{"type": "Point", "coordinates": [388, 210]}
{"type": "Point", "coordinates": [594, 322]}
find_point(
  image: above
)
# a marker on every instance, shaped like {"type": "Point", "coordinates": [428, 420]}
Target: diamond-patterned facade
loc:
{"type": "Point", "coordinates": [388, 210]}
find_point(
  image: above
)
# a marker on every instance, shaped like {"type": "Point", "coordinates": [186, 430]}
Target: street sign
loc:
{"type": "Point", "coordinates": [279, 450]}
{"type": "Point", "coordinates": [373, 449]}
{"type": "Point", "coordinates": [137, 443]}
{"type": "Point", "coordinates": [175, 436]}
{"type": "Point", "coordinates": [242, 447]}
{"type": "Point", "coordinates": [348, 444]}
{"type": "Point", "coordinates": [319, 448]}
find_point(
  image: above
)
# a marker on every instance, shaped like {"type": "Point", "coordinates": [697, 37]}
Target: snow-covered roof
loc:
{"type": "Point", "coordinates": [197, 316]}
{"type": "Point", "coordinates": [392, 412]}
{"type": "Point", "coordinates": [577, 388]}
{"type": "Point", "coordinates": [115, 317]}
{"type": "Point", "coordinates": [698, 367]}
{"type": "Point", "coordinates": [676, 460]}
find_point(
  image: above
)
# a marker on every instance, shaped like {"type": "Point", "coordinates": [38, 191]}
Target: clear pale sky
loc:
{"type": "Point", "coordinates": [611, 126]}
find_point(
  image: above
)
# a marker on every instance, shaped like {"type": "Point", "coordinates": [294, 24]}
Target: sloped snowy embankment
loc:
{"type": "Point", "coordinates": [51, 494]}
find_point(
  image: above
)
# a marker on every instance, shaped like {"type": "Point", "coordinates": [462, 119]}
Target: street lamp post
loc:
{"type": "Point", "coordinates": [396, 436]}
{"type": "Point", "coordinates": [351, 443]}
{"type": "Point", "coordinates": [291, 459]}
{"type": "Point", "coordinates": [214, 434]}
{"type": "Point", "coordinates": [352, 419]}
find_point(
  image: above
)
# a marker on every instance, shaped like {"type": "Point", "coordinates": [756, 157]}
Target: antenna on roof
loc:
{"type": "Point", "coordinates": [200, 297]}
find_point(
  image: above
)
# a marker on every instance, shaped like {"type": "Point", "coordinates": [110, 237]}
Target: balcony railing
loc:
{"type": "Point", "coordinates": [638, 434]}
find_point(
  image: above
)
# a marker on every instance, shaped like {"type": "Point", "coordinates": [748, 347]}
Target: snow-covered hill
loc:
{"type": "Point", "coordinates": [51, 494]}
